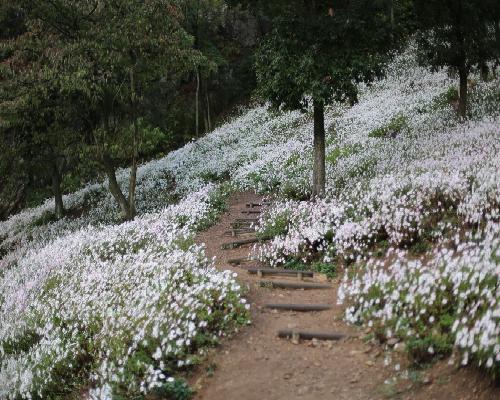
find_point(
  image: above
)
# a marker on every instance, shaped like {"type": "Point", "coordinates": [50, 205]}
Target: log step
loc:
{"type": "Point", "coordinates": [279, 271]}
{"type": "Point", "coordinates": [248, 220]}
{"type": "Point", "coordinates": [309, 335]}
{"type": "Point", "coordinates": [252, 205]}
{"type": "Point", "coordinates": [251, 212]}
{"type": "Point", "coordinates": [238, 261]}
{"type": "Point", "coordinates": [299, 307]}
{"type": "Point", "coordinates": [294, 285]}
{"type": "Point", "coordinates": [238, 243]}
{"type": "Point", "coordinates": [239, 231]}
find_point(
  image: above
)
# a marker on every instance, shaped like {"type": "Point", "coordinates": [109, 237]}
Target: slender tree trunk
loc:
{"type": "Point", "coordinates": [56, 190]}
{"type": "Point", "coordinates": [135, 150]}
{"type": "Point", "coordinates": [133, 174]}
{"type": "Point", "coordinates": [319, 150]}
{"type": "Point", "coordinates": [462, 101]}
{"type": "Point", "coordinates": [197, 111]}
{"type": "Point", "coordinates": [391, 16]}
{"type": "Point", "coordinates": [115, 190]}
{"type": "Point", "coordinates": [484, 72]}
{"type": "Point", "coordinates": [208, 109]}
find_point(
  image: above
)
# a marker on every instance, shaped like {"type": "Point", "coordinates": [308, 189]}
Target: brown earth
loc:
{"type": "Point", "coordinates": [255, 364]}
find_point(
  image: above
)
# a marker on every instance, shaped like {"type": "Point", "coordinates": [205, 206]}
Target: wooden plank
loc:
{"type": "Point", "coordinates": [294, 285]}
{"type": "Point", "coordinates": [250, 212]}
{"type": "Point", "coordinates": [309, 335]}
{"type": "Point", "coordinates": [249, 220]}
{"type": "Point", "coordinates": [299, 307]}
{"type": "Point", "coordinates": [239, 231]}
{"type": "Point", "coordinates": [262, 204]}
{"type": "Point", "coordinates": [279, 271]}
{"type": "Point", "coordinates": [238, 243]}
{"type": "Point", "coordinates": [238, 261]}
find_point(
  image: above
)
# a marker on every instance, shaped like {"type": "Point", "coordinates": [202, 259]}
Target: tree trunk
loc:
{"type": "Point", "coordinates": [208, 109]}
{"type": "Point", "coordinates": [115, 190]}
{"type": "Point", "coordinates": [484, 72]}
{"type": "Point", "coordinates": [56, 190]}
{"type": "Point", "coordinates": [133, 174]}
{"type": "Point", "coordinates": [135, 150]}
{"type": "Point", "coordinates": [319, 150]}
{"type": "Point", "coordinates": [462, 101]}
{"type": "Point", "coordinates": [197, 111]}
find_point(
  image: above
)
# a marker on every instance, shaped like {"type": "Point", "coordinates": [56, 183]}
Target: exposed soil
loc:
{"type": "Point", "coordinates": [256, 365]}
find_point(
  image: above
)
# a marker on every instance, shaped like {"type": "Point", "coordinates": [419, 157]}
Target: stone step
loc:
{"type": "Point", "coordinates": [294, 285]}
{"type": "Point", "coordinates": [309, 335]}
{"type": "Point", "coordinates": [279, 271]}
{"type": "Point", "coordinates": [299, 307]}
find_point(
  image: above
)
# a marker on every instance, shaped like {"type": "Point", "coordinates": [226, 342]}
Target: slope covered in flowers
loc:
{"type": "Point", "coordinates": [412, 210]}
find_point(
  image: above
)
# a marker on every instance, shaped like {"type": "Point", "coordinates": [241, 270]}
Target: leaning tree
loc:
{"type": "Point", "coordinates": [315, 54]}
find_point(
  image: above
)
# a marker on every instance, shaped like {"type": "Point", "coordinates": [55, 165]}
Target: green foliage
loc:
{"type": "Point", "coordinates": [176, 390]}
{"type": "Point", "coordinates": [445, 99]}
{"type": "Point", "coordinates": [310, 54]}
{"type": "Point", "coordinates": [44, 219]}
{"type": "Point", "coordinates": [329, 269]}
{"type": "Point", "coordinates": [278, 226]}
{"type": "Point", "coordinates": [342, 152]}
{"type": "Point", "coordinates": [395, 127]}
{"type": "Point", "coordinates": [418, 348]}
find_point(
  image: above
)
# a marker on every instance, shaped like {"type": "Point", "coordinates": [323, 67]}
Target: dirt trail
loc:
{"type": "Point", "coordinates": [256, 365]}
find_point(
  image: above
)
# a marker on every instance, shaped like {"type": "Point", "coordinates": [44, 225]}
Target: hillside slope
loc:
{"type": "Point", "coordinates": [412, 211]}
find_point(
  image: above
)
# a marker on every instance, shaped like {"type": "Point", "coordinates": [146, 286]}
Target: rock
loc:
{"type": "Point", "coordinates": [354, 380]}
{"type": "Point", "coordinates": [287, 376]}
{"type": "Point", "coordinates": [399, 347]}
{"type": "Point", "coordinates": [303, 390]}
{"type": "Point", "coordinates": [315, 342]}
{"type": "Point", "coordinates": [427, 380]}
{"type": "Point", "coordinates": [370, 363]}
{"type": "Point", "coordinates": [353, 353]}
{"type": "Point", "coordinates": [392, 341]}
{"type": "Point", "coordinates": [317, 364]}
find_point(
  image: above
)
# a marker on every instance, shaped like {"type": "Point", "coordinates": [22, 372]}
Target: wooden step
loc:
{"type": "Point", "coordinates": [279, 271]}
{"type": "Point", "coordinates": [250, 212]}
{"type": "Point", "coordinates": [309, 335]}
{"type": "Point", "coordinates": [299, 307]}
{"type": "Point", "coordinates": [238, 261]}
{"type": "Point", "coordinates": [294, 285]}
{"type": "Point", "coordinates": [248, 220]}
{"type": "Point", "coordinates": [238, 243]}
{"type": "Point", "coordinates": [239, 231]}
{"type": "Point", "coordinates": [261, 204]}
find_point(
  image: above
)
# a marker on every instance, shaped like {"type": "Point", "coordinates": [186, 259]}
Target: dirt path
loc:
{"type": "Point", "coordinates": [256, 364]}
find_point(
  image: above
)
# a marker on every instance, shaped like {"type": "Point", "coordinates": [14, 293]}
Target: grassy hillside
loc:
{"type": "Point", "coordinates": [412, 214]}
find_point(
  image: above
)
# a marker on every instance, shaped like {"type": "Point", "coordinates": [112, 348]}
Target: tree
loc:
{"type": "Point", "coordinates": [315, 54]}
{"type": "Point", "coordinates": [115, 52]}
{"type": "Point", "coordinates": [37, 122]}
{"type": "Point", "coordinates": [459, 34]}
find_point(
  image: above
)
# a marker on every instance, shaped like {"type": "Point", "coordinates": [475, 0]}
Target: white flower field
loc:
{"type": "Point", "coordinates": [411, 220]}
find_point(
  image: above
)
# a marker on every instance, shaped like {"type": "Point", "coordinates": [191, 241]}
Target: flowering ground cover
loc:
{"type": "Point", "coordinates": [411, 214]}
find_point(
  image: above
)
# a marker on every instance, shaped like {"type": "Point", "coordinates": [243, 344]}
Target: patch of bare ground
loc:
{"type": "Point", "coordinates": [255, 364]}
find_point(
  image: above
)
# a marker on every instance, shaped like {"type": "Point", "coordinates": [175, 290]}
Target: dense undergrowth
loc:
{"type": "Point", "coordinates": [411, 215]}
